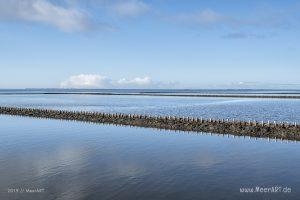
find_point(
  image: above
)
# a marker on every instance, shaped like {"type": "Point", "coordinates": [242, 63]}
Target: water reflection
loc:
{"type": "Point", "coordinates": [74, 160]}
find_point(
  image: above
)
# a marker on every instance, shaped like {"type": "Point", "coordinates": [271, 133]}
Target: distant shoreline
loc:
{"type": "Point", "coordinates": [158, 94]}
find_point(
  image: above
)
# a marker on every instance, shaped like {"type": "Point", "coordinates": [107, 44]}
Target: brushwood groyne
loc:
{"type": "Point", "coordinates": [285, 131]}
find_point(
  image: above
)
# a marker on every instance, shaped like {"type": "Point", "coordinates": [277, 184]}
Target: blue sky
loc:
{"type": "Point", "coordinates": [150, 44]}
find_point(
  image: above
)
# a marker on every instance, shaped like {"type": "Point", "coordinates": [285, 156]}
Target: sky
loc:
{"type": "Point", "coordinates": [150, 44]}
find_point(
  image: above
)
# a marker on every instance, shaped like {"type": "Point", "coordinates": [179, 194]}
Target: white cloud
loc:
{"type": "Point", "coordinates": [99, 81]}
{"type": "Point", "coordinates": [146, 81]}
{"type": "Point", "coordinates": [42, 11]}
{"type": "Point", "coordinates": [130, 8]}
{"type": "Point", "coordinates": [86, 81]}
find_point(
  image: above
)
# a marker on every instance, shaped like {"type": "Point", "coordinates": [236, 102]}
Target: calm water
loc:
{"type": "Point", "coordinates": [238, 108]}
{"type": "Point", "coordinates": [73, 160]}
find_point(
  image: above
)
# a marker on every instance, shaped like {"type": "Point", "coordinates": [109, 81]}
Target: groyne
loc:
{"type": "Point", "coordinates": [285, 131]}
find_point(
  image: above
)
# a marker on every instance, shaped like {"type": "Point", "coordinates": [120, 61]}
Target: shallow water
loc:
{"type": "Point", "coordinates": [284, 110]}
{"type": "Point", "coordinates": [74, 160]}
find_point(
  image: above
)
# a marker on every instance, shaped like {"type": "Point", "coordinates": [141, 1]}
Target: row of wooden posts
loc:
{"type": "Point", "coordinates": [283, 130]}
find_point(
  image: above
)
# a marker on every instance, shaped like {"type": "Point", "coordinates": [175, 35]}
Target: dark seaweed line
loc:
{"type": "Point", "coordinates": [285, 131]}
{"type": "Point", "coordinates": [160, 95]}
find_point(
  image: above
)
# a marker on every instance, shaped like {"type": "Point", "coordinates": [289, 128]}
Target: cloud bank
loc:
{"type": "Point", "coordinates": [146, 81]}
{"type": "Point", "coordinates": [86, 81]}
{"type": "Point", "coordinates": [93, 81]}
